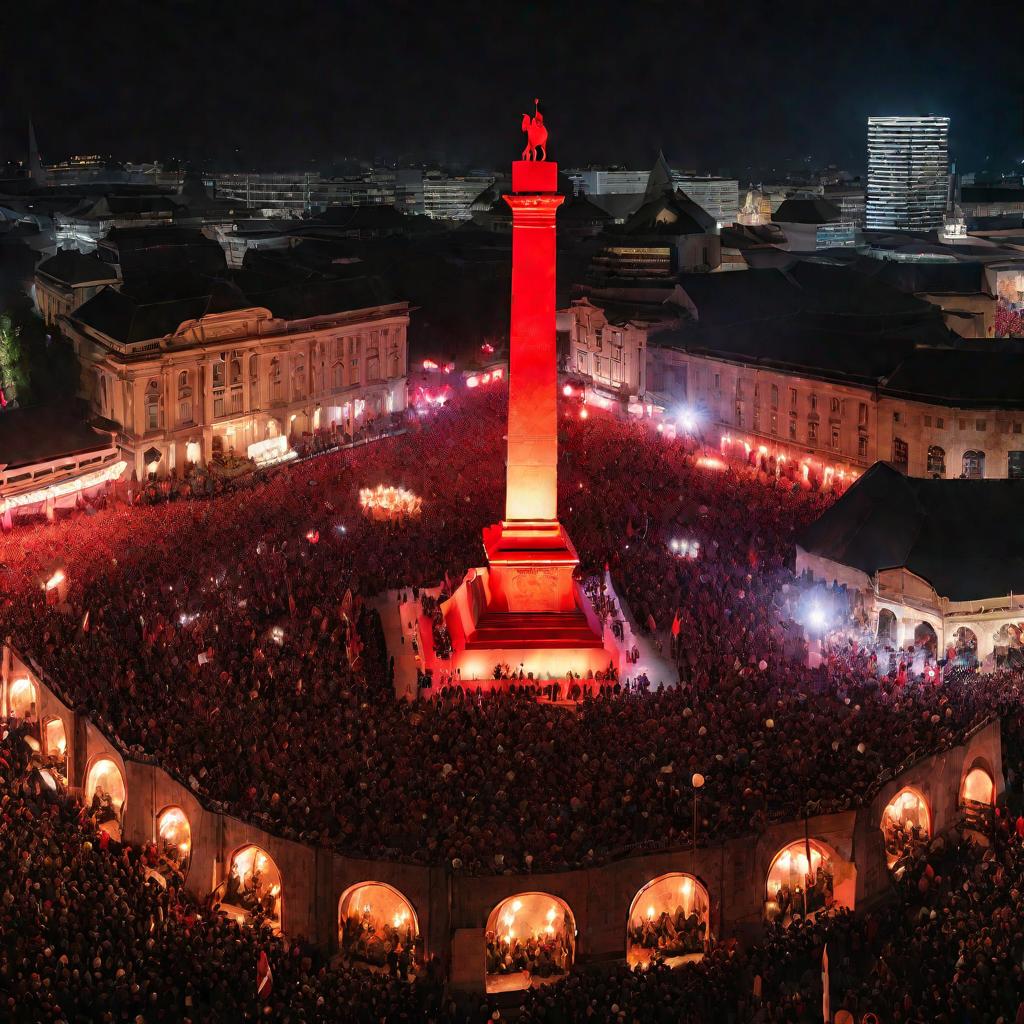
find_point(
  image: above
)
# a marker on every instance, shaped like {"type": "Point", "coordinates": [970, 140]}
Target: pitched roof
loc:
{"type": "Point", "coordinates": [671, 213]}
{"type": "Point", "coordinates": [812, 210]}
{"type": "Point", "coordinates": [956, 534]}
{"type": "Point", "coordinates": [72, 267]}
{"type": "Point", "coordinates": [44, 432]}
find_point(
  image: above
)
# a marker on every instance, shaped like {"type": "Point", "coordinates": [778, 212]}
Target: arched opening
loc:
{"type": "Point", "coordinates": [105, 795]}
{"type": "Point", "coordinates": [253, 891]}
{"type": "Point", "coordinates": [530, 940]}
{"type": "Point", "coordinates": [22, 698]}
{"type": "Point", "coordinates": [887, 627]}
{"type": "Point", "coordinates": [377, 923]}
{"type": "Point", "coordinates": [173, 842]}
{"type": "Point", "coordinates": [807, 877]}
{"type": "Point", "coordinates": [1006, 646]}
{"type": "Point", "coordinates": [926, 638]}
{"type": "Point", "coordinates": [974, 465]}
{"type": "Point", "coordinates": [55, 746]}
{"type": "Point", "coordinates": [906, 825]}
{"type": "Point", "coordinates": [965, 646]}
{"type": "Point", "coordinates": [936, 461]}
{"type": "Point", "coordinates": [979, 788]}
{"type": "Point", "coordinates": [669, 921]}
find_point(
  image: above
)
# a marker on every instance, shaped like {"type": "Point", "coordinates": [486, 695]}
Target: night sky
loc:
{"type": "Point", "coordinates": [749, 88]}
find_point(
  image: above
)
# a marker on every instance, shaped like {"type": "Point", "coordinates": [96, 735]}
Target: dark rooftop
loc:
{"type": "Point", "coordinates": [71, 267]}
{"type": "Point", "coordinates": [956, 534]}
{"type": "Point", "coordinates": [806, 211]}
{"type": "Point", "coordinates": [41, 433]}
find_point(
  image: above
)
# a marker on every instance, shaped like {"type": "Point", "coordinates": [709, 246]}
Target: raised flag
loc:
{"type": "Point", "coordinates": [264, 977]}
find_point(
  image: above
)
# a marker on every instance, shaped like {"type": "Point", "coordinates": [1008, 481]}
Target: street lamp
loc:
{"type": "Point", "coordinates": [697, 782]}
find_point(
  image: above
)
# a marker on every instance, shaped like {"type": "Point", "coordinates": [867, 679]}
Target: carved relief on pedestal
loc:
{"type": "Point", "coordinates": [531, 589]}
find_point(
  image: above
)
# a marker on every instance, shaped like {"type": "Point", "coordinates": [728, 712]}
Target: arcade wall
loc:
{"type": "Point", "coordinates": [453, 910]}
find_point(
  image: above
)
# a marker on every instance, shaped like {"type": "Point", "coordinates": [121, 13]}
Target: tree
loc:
{"type": "Point", "coordinates": [14, 375]}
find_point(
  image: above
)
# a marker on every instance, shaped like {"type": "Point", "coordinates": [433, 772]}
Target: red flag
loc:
{"type": "Point", "coordinates": [675, 624]}
{"type": "Point", "coordinates": [264, 979]}
{"type": "Point", "coordinates": [826, 993]}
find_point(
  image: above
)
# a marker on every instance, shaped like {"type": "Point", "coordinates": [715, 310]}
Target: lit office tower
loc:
{"type": "Point", "coordinates": [908, 167]}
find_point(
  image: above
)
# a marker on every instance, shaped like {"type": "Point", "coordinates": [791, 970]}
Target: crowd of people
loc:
{"type": "Point", "coordinates": [231, 640]}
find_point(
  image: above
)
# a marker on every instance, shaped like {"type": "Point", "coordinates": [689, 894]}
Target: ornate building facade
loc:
{"type": "Point", "coordinates": [186, 389]}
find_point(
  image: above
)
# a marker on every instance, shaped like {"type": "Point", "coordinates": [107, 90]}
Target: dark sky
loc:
{"type": "Point", "coordinates": [725, 85]}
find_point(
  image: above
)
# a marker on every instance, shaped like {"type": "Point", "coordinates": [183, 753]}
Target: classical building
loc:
{"type": "Point", "coordinates": [816, 364]}
{"type": "Point", "coordinates": [926, 555]}
{"type": "Point", "coordinates": [201, 377]}
{"type": "Point", "coordinates": [65, 281]}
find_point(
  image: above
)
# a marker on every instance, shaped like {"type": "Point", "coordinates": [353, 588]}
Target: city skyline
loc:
{"type": "Point", "coordinates": [757, 98]}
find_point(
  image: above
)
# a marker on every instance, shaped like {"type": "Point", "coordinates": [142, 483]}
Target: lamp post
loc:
{"type": "Point", "coordinates": [697, 782]}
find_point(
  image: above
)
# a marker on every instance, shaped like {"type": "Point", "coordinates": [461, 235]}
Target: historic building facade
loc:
{"type": "Point", "coordinates": [242, 382]}
{"type": "Point", "coordinates": [829, 420]}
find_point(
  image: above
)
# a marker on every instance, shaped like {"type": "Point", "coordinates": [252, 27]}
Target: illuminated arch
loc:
{"type": "Point", "coordinates": [530, 939]}
{"type": "Point", "coordinates": [105, 794]}
{"type": "Point", "coordinates": [254, 885]}
{"type": "Point", "coordinates": [887, 626]}
{"type": "Point", "coordinates": [22, 698]}
{"type": "Point", "coordinates": [979, 787]}
{"type": "Point", "coordinates": [925, 636]}
{"type": "Point", "coordinates": [374, 919]}
{"type": "Point", "coordinates": [670, 914]}
{"type": "Point", "coordinates": [786, 888]}
{"type": "Point", "coordinates": [55, 740]}
{"type": "Point", "coordinates": [906, 822]}
{"type": "Point", "coordinates": [173, 841]}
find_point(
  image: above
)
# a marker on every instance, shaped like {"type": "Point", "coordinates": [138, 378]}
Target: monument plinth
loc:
{"type": "Point", "coordinates": [525, 609]}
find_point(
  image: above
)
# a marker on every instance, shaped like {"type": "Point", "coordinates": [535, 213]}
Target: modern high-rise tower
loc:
{"type": "Point", "coordinates": [908, 168]}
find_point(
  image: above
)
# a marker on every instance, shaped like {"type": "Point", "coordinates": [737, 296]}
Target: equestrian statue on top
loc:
{"type": "Point", "coordinates": [536, 134]}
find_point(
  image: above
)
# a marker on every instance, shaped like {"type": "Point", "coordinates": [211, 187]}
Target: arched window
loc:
{"type": "Point", "coordinates": [886, 627]}
{"type": "Point", "coordinates": [393, 364]}
{"type": "Point", "coordinates": [55, 740]}
{"type": "Point", "coordinates": [105, 795]}
{"type": "Point", "coordinates": [936, 461]}
{"type": "Point", "coordinates": [218, 372]}
{"type": "Point", "coordinates": [979, 787]}
{"type": "Point", "coordinates": [254, 886]}
{"type": "Point", "coordinates": [254, 367]}
{"type": "Point", "coordinates": [974, 465]}
{"type": "Point", "coordinates": [375, 919]}
{"type": "Point", "coordinates": [900, 454]}
{"type": "Point", "coordinates": [173, 841]}
{"type": "Point", "coordinates": [529, 935]}
{"type": "Point", "coordinates": [182, 382]}
{"type": "Point", "coordinates": [669, 916]}
{"type": "Point", "coordinates": [275, 378]}
{"type": "Point", "coordinates": [373, 367]}
{"type": "Point", "coordinates": [22, 698]}
{"type": "Point", "coordinates": [299, 380]}
{"type": "Point", "coordinates": [236, 370]}
{"type": "Point", "coordinates": [802, 880]}
{"type": "Point", "coordinates": [906, 825]}
{"type": "Point", "coordinates": [152, 405]}
{"type": "Point", "coordinates": [926, 637]}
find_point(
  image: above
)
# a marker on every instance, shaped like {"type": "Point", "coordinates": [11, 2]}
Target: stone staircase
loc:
{"type": "Point", "coordinates": [533, 631]}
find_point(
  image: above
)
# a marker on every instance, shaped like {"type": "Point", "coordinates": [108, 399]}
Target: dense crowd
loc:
{"type": "Point", "coordinates": [88, 934]}
{"type": "Point", "coordinates": [233, 640]}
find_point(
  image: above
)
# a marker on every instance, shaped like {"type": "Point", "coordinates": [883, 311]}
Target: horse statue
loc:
{"type": "Point", "coordinates": [536, 134]}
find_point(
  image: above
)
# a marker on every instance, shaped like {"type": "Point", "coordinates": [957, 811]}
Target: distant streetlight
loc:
{"type": "Point", "coordinates": [697, 782]}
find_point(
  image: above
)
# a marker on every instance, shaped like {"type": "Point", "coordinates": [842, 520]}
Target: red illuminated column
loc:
{"type": "Point", "coordinates": [532, 474]}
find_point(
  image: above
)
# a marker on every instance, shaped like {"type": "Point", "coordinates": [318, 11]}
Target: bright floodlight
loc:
{"type": "Point", "coordinates": [816, 619]}
{"type": "Point", "coordinates": [687, 420]}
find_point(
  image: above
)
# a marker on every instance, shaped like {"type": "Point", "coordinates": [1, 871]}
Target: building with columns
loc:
{"type": "Point", "coordinates": [814, 364]}
{"type": "Point", "coordinates": [926, 556]}
{"type": "Point", "coordinates": [224, 373]}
